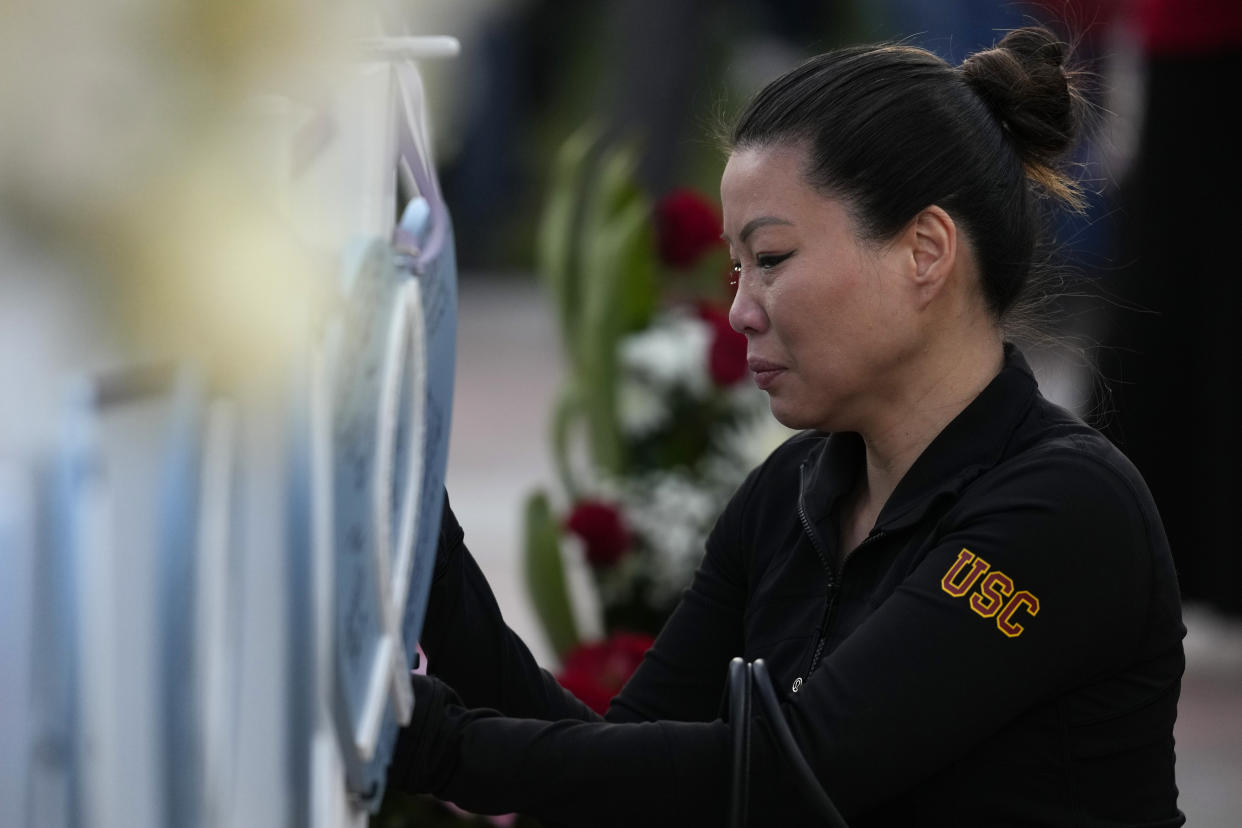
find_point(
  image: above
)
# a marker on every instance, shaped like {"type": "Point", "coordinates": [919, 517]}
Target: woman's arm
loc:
{"type": "Point", "coordinates": [681, 678]}
{"type": "Point", "coordinates": [566, 772]}
{"type": "Point", "coordinates": [469, 646]}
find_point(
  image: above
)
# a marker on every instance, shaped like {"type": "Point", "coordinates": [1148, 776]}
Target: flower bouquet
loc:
{"type": "Point", "coordinates": [657, 423]}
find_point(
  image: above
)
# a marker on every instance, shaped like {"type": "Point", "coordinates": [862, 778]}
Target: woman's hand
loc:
{"type": "Point", "coordinates": [423, 760]}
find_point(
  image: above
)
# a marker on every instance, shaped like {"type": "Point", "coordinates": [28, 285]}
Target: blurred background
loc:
{"type": "Point", "coordinates": [1138, 340]}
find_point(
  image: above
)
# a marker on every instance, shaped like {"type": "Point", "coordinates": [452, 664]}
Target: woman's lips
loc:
{"type": "Point", "coordinates": [764, 379]}
{"type": "Point", "coordinates": [765, 372]}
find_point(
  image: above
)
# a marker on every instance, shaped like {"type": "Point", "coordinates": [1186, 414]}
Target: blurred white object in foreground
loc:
{"type": "Point", "coordinates": [225, 385]}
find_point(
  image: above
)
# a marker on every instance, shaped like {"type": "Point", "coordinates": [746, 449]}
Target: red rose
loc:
{"type": "Point", "coordinates": [687, 226]}
{"type": "Point", "coordinates": [726, 356]}
{"type": "Point", "coordinates": [601, 529]}
{"type": "Point", "coordinates": [595, 673]}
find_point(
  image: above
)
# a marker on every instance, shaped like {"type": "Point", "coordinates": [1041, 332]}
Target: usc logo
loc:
{"type": "Point", "coordinates": [995, 598]}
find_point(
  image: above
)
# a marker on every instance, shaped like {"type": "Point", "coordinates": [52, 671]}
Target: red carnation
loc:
{"type": "Point", "coordinates": [596, 672]}
{"type": "Point", "coordinates": [601, 529]}
{"type": "Point", "coordinates": [726, 357]}
{"type": "Point", "coordinates": [687, 226]}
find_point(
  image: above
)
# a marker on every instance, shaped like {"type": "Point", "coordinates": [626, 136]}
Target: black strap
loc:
{"type": "Point", "coordinates": [742, 677]}
{"type": "Point", "coordinates": [739, 720]}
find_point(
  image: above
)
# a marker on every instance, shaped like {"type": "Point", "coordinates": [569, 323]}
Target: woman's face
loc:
{"type": "Point", "coordinates": [827, 325]}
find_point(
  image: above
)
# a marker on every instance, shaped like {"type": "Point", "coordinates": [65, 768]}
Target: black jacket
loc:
{"type": "Point", "coordinates": [1003, 649]}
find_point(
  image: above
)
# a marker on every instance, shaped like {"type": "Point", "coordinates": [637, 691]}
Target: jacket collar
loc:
{"type": "Point", "coordinates": [969, 445]}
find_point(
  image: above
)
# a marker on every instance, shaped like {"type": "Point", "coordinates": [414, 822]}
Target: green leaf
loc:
{"type": "Point", "coordinates": [545, 575]}
{"type": "Point", "coordinates": [555, 253]}
{"type": "Point", "coordinates": [638, 291]}
{"type": "Point", "coordinates": [618, 293]}
{"type": "Point", "coordinates": [568, 409]}
{"type": "Point", "coordinates": [611, 260]}
{"type": "Point", "coordinates": [597, 258]}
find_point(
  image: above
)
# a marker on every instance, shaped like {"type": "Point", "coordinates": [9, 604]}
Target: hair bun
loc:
{"type": "Point", "coordinates": [1024, 82]}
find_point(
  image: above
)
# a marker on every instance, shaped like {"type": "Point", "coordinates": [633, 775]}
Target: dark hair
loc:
{"type": "Point", "coordinates": [893, 129]}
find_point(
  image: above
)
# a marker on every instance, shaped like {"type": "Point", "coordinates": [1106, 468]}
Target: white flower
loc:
{"type": "Point", "coordinates": [640, 408]}
{"type": "Point", "coordinates": [673, 513]}
{"type": "Point", "coordinates": [671, 353]}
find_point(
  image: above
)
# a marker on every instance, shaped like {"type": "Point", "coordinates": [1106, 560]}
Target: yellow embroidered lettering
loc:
{"type": "Point", "coordinates": [1005, 622]}
{"type": "Point", "coordinates": [995, 596]}
{"type": "Point", "coordinates": [992, 594]}
{"type": "Point", "coordinates": [956, 586]}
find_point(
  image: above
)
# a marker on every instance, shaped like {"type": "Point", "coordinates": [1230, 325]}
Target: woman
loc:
{"type": "Point", "coordinates": [964, 592]}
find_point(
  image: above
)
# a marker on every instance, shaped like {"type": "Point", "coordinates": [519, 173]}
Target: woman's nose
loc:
{"type": "Point", "coordinates": [746, 315]}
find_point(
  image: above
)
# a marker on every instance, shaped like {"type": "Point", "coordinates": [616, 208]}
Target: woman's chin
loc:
{"type": "Point", "coordinates": [788, 417]}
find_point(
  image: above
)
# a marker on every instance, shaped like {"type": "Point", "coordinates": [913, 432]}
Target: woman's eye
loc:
{"type": "Point", "coordinates": [769, 262]}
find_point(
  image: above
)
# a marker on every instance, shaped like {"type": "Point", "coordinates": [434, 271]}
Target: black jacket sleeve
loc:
{"type": "Point", "coordinates": [681, 678]}
{"type": "Point", "coordinates": [469, 646]}
{"type": "Point", "coordinates": [589, 773]}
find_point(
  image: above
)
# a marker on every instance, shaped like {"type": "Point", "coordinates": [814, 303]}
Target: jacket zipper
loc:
{"type": "Point", "coordinates": [831, 593]}
{"type": "Point", "coordinates": [832, 602]}
{"type": "Point", "coordinates": [834, 575]}
{"type": "Point", "coordinates": [809, 529]}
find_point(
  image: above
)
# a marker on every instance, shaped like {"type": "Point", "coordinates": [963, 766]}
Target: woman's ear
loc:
{"type": "Point", "coordinates": [932, 240]}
